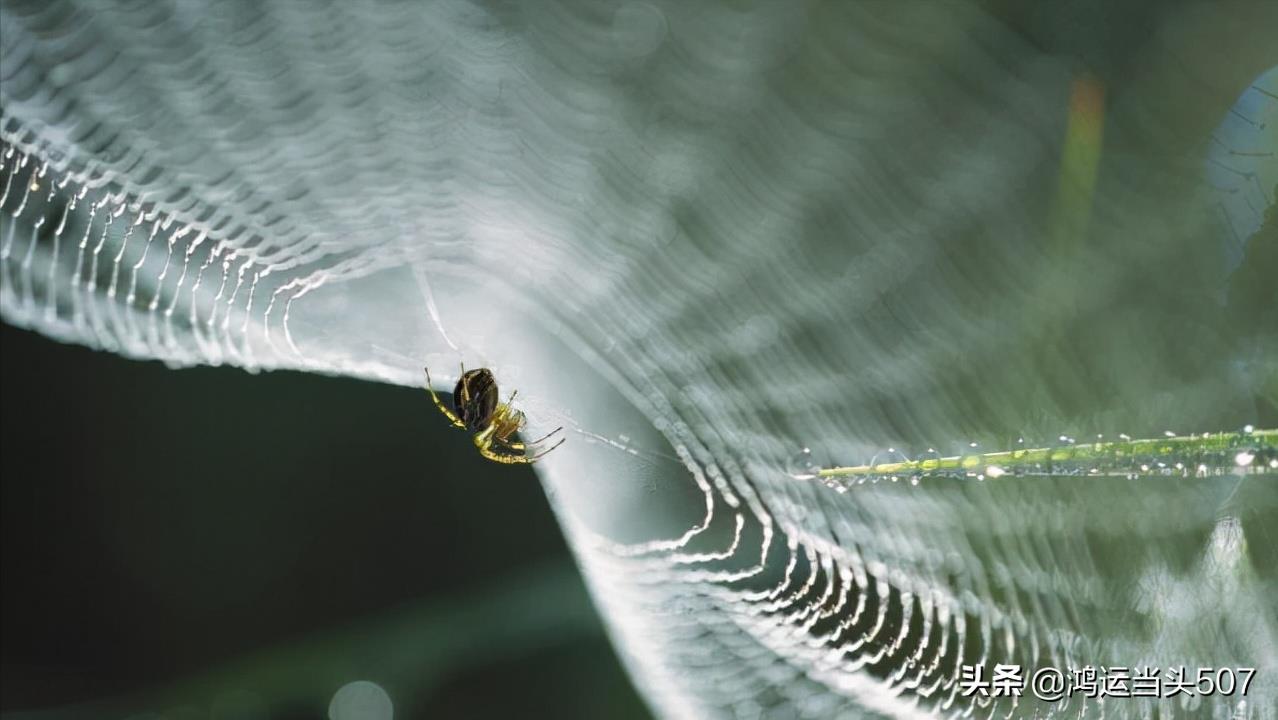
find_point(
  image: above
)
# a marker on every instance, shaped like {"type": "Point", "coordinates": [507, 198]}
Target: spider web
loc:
{"type": "Point", "coordinates": [706, 236]}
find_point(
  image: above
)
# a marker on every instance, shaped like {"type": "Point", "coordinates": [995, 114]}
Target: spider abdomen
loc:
{"type": "Point", "coordinates": [475, 399]}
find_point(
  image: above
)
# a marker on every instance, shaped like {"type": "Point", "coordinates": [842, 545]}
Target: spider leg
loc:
{"type": "Point", "coordinates": [510, 403]}
{"type": "Point", "coordinates": [543, 438]}
{"type": "Point", "coordinates": [439, 404]}
{"type": "Point", "coordinates": [510, 445]}
{"type": "Point", "coordinates": [518, 447]}
{"type": "Point", "coordinates": [487, 451]}
{"type": "Point", "coordinates": [543, 453]}
{"type": "Point", "coordinates": [465, 389]}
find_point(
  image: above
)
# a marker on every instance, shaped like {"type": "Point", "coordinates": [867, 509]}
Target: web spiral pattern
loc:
{"type": "Point", "coordinates": [754, 227]}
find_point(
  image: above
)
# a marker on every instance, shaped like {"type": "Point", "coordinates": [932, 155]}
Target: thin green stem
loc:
{"type": "Point", "coordinates": [1206, 454]}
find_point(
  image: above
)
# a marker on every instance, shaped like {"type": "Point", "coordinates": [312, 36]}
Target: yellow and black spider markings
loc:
{"type": "Point", "coordinates": [477, 409]}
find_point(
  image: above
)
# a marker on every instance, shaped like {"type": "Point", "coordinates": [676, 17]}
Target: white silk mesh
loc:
{"type": "Point", "coordinates": [704, 236]}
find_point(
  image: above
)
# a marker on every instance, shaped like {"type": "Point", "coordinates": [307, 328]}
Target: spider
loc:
{"type": "Point", "coordinates": [475, 409]}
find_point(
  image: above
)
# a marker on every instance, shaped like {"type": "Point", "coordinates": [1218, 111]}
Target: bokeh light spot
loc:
{"type": "Point", "coordinates": [361, 700]}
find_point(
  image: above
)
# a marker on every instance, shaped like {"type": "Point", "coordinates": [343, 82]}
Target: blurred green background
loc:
{"type": "Point", "coordinates": [154, 568]}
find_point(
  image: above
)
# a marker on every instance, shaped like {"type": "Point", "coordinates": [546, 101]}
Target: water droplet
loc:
{"type": "Point", "coordinates": [887, 465]}
{"type": "Point", "coordinates": [1249, 429]}
{"type": "Point", "coordinates": [803, 466]}
{"type": "Point", "coordinates": [886, 461]}
{"type": "Point", "coordinates": [930, 466]}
